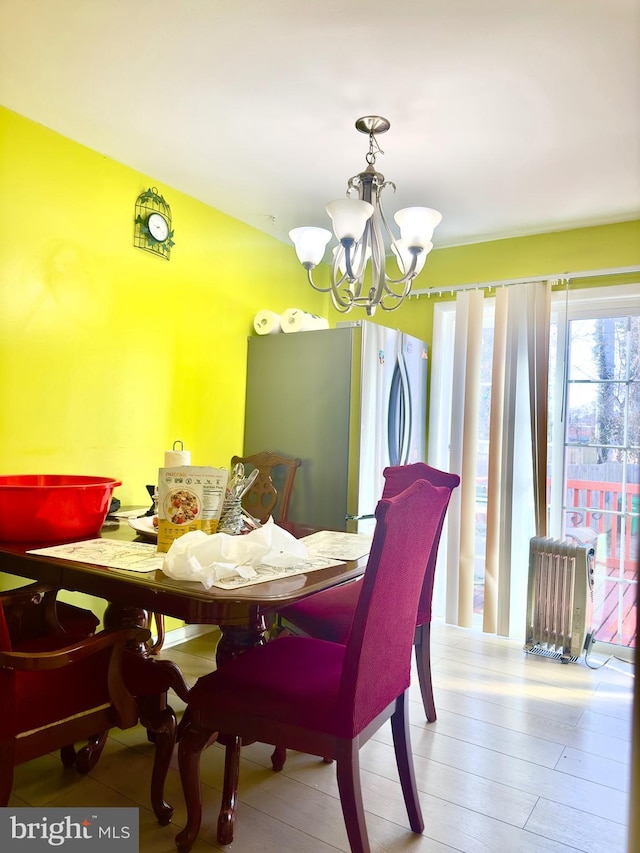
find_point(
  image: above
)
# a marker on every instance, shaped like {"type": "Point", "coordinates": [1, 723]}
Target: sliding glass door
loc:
{"type": "Point", "coordinates": [595, 451]}
{"type": "Point", "coordinates": [593, 473]}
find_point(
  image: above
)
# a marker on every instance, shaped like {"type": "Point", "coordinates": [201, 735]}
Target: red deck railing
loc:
{"type": "Point", "coordinates": [580, 494]}
{"type": "Point", "coordinates": [598, 506]}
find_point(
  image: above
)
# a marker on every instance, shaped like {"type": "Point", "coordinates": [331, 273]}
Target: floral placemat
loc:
{"type": "Point", "coordinates": [112, 553]}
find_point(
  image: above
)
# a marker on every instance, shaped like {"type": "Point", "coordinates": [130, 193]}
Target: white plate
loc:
{"type": "Point", "coordinates": [144, 526]}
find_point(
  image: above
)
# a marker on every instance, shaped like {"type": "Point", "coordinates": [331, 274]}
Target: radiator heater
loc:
{"type": "Point", "coordinates": [558, 598]}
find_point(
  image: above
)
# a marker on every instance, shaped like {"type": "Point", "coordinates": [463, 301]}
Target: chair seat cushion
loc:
{"type": "Point", "coordinates": [294, 680]}
{"type": "Point", "coordinates": [327, 614]}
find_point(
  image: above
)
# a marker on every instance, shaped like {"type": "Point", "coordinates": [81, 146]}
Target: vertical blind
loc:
{"type": "Point", "coordinates": [517, 463]}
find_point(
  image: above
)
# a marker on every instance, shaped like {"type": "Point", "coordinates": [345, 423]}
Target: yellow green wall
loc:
{"type": "Point", "coordinates": [108, 353]}
{"type": "Point", "coordinates": [575, 250]}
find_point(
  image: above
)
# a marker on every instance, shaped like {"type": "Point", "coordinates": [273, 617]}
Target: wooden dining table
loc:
{"type": "Point", "coordinates": [241, 614]}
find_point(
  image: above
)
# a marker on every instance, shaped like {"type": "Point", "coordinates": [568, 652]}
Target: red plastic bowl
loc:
{"type": "Point", "coordinates": [53, 507]}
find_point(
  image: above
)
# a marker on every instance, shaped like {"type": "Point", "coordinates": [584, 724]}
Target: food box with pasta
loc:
{"type": "Point", "coordinates": [189, 498]}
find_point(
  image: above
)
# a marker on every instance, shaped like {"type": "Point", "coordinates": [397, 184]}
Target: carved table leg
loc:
{"type": "Point", "coordinates": [160, 720]}
{"type": "Point", "coordinates": [127, 616]}
{"type": "Point", "coordinates": [236, 639]}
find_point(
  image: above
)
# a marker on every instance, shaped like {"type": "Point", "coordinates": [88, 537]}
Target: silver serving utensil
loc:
{"type": "Point", "coordinates": [249, 482]}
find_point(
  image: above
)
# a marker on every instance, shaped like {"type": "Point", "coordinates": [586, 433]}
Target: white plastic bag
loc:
{"type": "Point", "coordinates": [197, 556]}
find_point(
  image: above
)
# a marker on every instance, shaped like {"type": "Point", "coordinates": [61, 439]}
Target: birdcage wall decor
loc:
{"type": "Point", "coordinates": [153, 230]}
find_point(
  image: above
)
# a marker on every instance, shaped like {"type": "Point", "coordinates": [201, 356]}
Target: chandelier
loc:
{"type": "Point", "coordinates": [358, 270]}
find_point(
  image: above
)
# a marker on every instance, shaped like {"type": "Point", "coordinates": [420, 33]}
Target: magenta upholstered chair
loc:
{"type": "Point", "coordinates": [329, 614]}
{"type": "Point", "coordinates": [325, 698]}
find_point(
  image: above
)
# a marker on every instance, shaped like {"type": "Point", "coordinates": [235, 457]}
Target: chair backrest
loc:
{"type": "Point", "coordinates": [396, 480]}
{"type": "Point", "coordinates": [266, 497]}
{"type": "Point", "coordinates": [377, 666]}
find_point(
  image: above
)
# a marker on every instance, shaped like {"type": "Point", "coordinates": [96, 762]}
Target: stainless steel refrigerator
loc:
{"type": "Point", "coordinates": [348, 401]}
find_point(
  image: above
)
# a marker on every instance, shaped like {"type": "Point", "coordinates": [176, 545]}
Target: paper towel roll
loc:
{"type": "Point", "coordinates": [267, 323]}
{"type": "Point", "coordinates": [295, 320]}
{"type": "Point", "coordinates": [175, 458]}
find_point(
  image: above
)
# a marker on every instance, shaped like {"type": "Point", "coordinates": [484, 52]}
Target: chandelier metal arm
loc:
{"type": "Point", "coordinates": [393, 307]}
{"type": "Point", "coordinates": [348, 244]}
{"type": "Point", "coordinates": [363, 257]}
{"type": "Point", "coordinates": [378, 273]}
{"type": "Point", "coordinates": [409, 275]}
{"type": "Point", "coordinates": [342, 303]}
{"type": "Point", "coordinates": [313, 284]}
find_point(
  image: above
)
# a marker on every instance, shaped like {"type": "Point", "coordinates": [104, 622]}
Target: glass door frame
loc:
{"type": "Point", "coordinates": [577, 304]}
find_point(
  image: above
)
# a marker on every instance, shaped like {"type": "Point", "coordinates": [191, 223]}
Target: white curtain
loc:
{"type": "Point", "coordinates": [538, 327]}
{"type": "Point", "coordinates": [463, 444]}
{"type": "Point", "coordinates": [516, 482]}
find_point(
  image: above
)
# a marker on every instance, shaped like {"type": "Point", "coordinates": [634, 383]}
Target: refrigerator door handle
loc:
{"type": "Point", "coordinates": [395, 415]}
{"type": "Point", "coordinates": [400, 415]}
{"type": "Point", "coordinates": [407, 420]}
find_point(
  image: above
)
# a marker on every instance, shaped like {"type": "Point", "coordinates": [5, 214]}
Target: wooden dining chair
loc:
{"type": "Point", "coordinates": [325, 698]}
{"type": "Point", "coordinates": [261, 501]}
{"type": "Point", "coordinates": [55, 693]}
{"type": "Point", "coordinates": [34, 611]}
{"type": "Point", "coordinates": [271, 491]}
{"type": "Point", "coordinates": [329, 614]}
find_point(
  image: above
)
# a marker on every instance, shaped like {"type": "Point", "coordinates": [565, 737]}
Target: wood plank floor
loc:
{"type": "Point", "coordinates": [527, 755]}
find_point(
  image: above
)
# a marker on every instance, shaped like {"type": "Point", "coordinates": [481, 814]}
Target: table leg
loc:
{"type": "Point", "coordinates": [236, 639]}
{"type": "Point", "coordinates": [127, 616]}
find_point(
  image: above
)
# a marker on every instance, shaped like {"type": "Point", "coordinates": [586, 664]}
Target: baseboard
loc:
{"type": "Point", "coordinates": [186, 632]}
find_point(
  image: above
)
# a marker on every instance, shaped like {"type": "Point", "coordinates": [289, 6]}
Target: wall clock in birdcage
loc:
{"type": "Point", "coordinates": [152, 224]}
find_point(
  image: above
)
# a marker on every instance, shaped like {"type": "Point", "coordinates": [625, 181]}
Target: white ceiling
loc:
{"type": "Point", "coordinates": [509, 116]}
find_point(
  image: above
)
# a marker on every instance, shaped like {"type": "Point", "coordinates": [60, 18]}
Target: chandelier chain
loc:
{"type": "Point", "coordinates": [374, 150]}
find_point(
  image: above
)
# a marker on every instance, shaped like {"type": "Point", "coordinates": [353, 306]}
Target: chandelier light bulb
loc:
{"type": "Point", "coordinates": [310, 244]}
{"type": "Point", "coordinates": [404, 256]}
{"type": "Point", "coordinates": [417, 224]}
{"type": "Point", "coordinates": [349, 216]}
